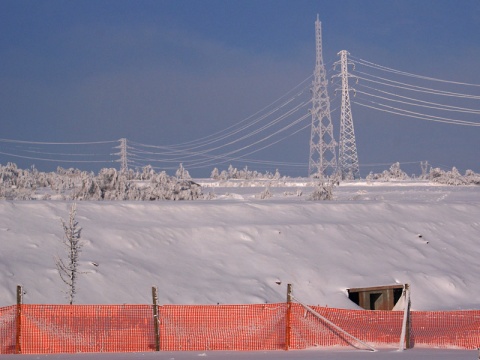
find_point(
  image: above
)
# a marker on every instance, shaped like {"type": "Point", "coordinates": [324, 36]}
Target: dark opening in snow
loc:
{"type": "Point", "coordinates": [376, 298]}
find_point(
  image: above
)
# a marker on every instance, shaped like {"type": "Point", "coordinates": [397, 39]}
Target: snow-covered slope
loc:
{"type": "Point", "coordinates": [237, 248]}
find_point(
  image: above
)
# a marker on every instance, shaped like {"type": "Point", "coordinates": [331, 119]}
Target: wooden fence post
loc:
{"type": "Point", "coordinates": [287, 318]}
{"type": "Point", "coordinates": [155, 317]}
{"type": "Point", "coordinates": [405, 335]}
{"type": "Point", "coordinates": [18, 336]}
{"type": "Point", "coordinates": [409, 324]}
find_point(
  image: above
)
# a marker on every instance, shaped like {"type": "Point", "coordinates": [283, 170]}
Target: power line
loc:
{"type": "Point", "coordinates": [56, 160]}
{"type": "Point", "coordinates": [405, 86]}
{"type": "Point", "coordinates": [403, 112]}
{"type": "Point", "coordinates": [279, 121]}
{"type": "Point", "coordinates": [57, 143]}
{"type": "Point", "coordinates": [221, 134]}
{"type": "Point", "coordinates": [399, 72]}
{"type": "Point", "coordinates": [434, 105]}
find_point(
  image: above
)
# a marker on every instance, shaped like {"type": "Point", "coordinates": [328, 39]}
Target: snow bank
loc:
{"type": "Point", "coordinates": [237, 249]}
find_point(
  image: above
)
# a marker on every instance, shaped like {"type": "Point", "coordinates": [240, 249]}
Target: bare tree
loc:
{"type": "Point", "coordinates": [68, 268]}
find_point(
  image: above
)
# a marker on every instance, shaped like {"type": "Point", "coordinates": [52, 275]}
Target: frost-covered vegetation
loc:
{"type": "Point", "coordinates": [146, 184]}
{"type": "Point", "coordinates": [68, 268]}
{"type": "Point", "coordinates": [245, 174]}
{"type": "Point", "coordinates": [323, 191]}
{"type": "Point", "coordinates": [437, 175]}
{"type": "Point", "coordinates": [108, 184]}
{"type": "Point", "coordinates": [454, 177]}
{"type": "Point", "coordinates": [394, 173]}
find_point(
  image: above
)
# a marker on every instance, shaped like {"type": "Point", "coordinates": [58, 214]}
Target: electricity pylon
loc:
{"type": "Point", "coordinates": [347, 152]}
{"type": "Point", "coordinates": [323, 159]}
{"type": "Point", "coordinates": [123, 155]}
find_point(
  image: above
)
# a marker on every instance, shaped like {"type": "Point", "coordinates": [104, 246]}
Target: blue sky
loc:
{"type": "Point", "coordinates": [167, 72]}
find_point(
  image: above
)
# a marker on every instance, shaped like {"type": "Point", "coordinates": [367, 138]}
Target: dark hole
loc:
{"type": "Point", "coordinates": [354, 297]}
{"type": "Point", "coordinates": [397, 294]}
{"type": "Point", "coordinates": [375, 299]}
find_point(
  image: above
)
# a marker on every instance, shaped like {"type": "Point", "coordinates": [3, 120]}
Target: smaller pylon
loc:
{"type": "Point", "coordinates": [123, 155]}
{"type": "Point", "coordinates": [424, 167]}
{"type": "Point", "coordinates": [347, 152]}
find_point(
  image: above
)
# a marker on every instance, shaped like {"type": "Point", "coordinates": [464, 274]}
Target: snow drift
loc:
{"type": "Point", "coordinates": [240, 249]}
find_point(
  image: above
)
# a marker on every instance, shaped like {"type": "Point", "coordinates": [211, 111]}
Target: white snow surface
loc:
{"type": "Point", "coordinates": [412, 354]}
{"type": "Point", "coordinates": [239, 249]}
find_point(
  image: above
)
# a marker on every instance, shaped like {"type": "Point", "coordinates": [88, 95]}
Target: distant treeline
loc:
{"type": "Point", "coordinates": [146, 184]}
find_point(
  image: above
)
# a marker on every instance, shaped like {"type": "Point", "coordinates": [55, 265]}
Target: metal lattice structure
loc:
{"type": "Point", "coordinates": [347, 152]}
{"type": "Point", "coordinates": [123, 155]}
{"type": "Point", "coordinates": [323, 159]}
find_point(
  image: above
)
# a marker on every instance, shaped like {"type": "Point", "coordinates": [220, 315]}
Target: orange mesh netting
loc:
{"type": "Point", "coordinates": [374, 327]}
{"type": "Point", "coordinates": [86, 328]}
{"type": "Point", "coordinates": [222, 327]}
{"type": "Point", "coordinates": [446, 329]}
{"type": "Point", "coordinates": [122, 328]}
{"type": "Point", "coordinates": [8, 329]}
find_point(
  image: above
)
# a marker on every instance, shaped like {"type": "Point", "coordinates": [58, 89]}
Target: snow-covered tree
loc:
{"type": "Point", "coordinates": [349, 176]}
{"type": "Point", "coordinates": [277, 175]}
{"type": "Point", "coordinates": [215, 175]}
{"type": "Point", "coordinates": [394, 173]}
{"type": "Point", "coordinates": [147, 173]}
{"type": "Point", "coordinates": [266, 194]}
{"type": "Point", "coordinates": [472, 178]}
{"type": "Point", "coordinates": [182, 173]}
{"type": "Point", "coordinates": [323, 191]}
{"type": "Point", "coordinates": [88, 190]}
{"type": "Point", "coordinates": [455, 178]}
{"type": "Point", "coordinates": [232, 172]}
{"type": "Point", "coordinates": [435, 174]}
{"type": "Point", "coordinates": [186, 190]}
{"type": "Point", "coordinates": [452, 177]}
{"type": "Point", "coordinates": [68, 268]}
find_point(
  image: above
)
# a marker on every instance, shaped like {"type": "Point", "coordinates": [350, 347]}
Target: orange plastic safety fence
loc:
{"type": "Point", "coordinates": [86, 328]}
{"type": "Point", "coordinates": [446, 329]}
{"type": "Point", "coordinates": [121, 328]}
{"type": "Point", "coordinates": [222, 327]}
{"type": "Point", "coordinates": [8, 329]}
{"type": "Point", "coordinates": [371, 327]}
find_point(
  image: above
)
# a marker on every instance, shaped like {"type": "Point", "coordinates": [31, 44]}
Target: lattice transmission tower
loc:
{"type": "Point", "coordinates": [347, 152]}
{"type": "Point", "coordinates": [123, 155]}
{"type": "Point", "coordinates": [323, 159]}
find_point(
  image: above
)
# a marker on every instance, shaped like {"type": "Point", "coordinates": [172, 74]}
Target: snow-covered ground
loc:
{"type": "Point", "coordinates": [238, 249]}
{"type": "Point", "coordinates": [413, 354]}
